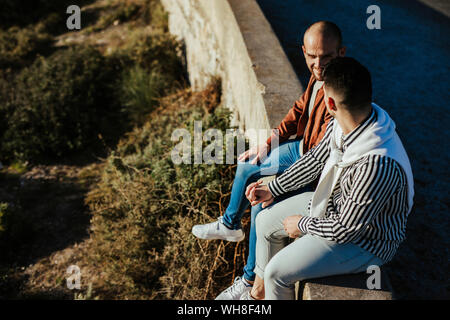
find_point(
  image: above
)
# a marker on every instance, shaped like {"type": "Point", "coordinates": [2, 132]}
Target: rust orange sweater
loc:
{"type": "Point", "coordinates": [298, 122]}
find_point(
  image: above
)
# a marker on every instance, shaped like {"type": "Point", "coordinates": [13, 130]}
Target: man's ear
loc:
{"type": "Point", "coordinates": [304, 49]}
{"type": "Point", "coordinates": [342, 51]}
{"type": "Point", "coordinates": [331, 104]}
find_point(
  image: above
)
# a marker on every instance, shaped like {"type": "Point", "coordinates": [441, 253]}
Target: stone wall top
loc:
{"type": "Point", "coordinates": [232, 39]}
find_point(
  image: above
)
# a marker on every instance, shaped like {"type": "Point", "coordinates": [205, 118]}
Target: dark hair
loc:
{"type": "Point", "coordinates": [351, 79]}
{"type": "Point", "coordinates": [328, 29]}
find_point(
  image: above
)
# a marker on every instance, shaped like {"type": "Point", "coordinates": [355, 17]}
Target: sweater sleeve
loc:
{"type": "Point", "coordinates": [374, 183]}
{"type": "Point", "coordinates": [304, 170]}
{"type": "Point", "coordinates": [289, 124]}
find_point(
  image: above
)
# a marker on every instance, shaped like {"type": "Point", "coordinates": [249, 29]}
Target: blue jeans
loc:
{"type": "Point", "coordinates": [276, 162]}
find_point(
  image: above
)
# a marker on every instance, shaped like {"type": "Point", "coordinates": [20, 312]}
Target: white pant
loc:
{"type": "Point", "coordinates": [308, 257]}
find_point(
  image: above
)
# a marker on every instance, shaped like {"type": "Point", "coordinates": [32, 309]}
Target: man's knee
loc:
{"type": "Point", "coordinates": [245, 170]}
{"type": "Point", "coordinates": [262, 224]}
{"type": "Point", "coordinates": [270, 273]}
{"type": "Point", "coordinates": [273, 273]}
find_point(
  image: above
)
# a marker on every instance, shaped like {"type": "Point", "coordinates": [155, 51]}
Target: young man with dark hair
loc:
{"type": "Point", "coordinates": [357, 215]}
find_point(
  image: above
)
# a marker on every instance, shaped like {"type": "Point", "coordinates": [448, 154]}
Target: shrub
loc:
{"type": "Point", "coordinates": [25, 12]}
{"type": "Point", "coordinates": [153, 69]}
{"type": "Point", "coordinates": [3, 217]}
{"type": "Point", "coordinates": [140, 91]}
{"type": "Point", "coordinates": [136, 12]}
{"type": "Point", "coordinates": [18, 46]}
{"type": "Point", "coordinates": [76, 99]}
{"type": "Point", "coordinates": [158, 51]}
{"type": "Point", "coordinates": [144, 207]}
{"type": "Point", "coordinates": [5, 96]}
{"type": "Point", "coordinates": [61, 105]}
{"type": "Point", "coordinates": [122, 12]}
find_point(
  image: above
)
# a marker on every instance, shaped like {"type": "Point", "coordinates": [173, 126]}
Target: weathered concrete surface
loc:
{"type": "Point", "coordinates": [345, 287]}
{"type": "Point", "coordinates": [232, 40]}
{"type": "Point", "coordinates": [271, 65]}
{"type": "Point", "coordinates": [442, 6]}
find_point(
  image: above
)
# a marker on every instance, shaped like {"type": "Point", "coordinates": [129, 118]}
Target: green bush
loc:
{"type": "Point", "coordinates": [61, 105]}
{"type": "Point", "coordinates": [3, 216]}
{"type": "Point", "coordinates": [135, 12]}
{"type": "Point", "coordinates": [65, 103]}
{"type": "Point", "coordinates": [159, 52]}
{"type": "Point", "coordinates": [140, 92]}
{"type": "Point", "coordinates": [144, 206]}
{"type": "Point", "coordinates": [25, 12]}
{"type": "Point", "coordinates": [153, 69]}
{"type": "Point", "coordinates": [121, 13]}
{"type": "Point", "coordinates": [19, 46]}
{"type": "Point", "coordinates": [5, 96]}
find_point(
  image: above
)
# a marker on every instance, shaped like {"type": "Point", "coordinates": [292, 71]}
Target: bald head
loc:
{"type": "Point", "coordinates": [325, 31]}
{"type": "Point", "coordinates": [322, 43]}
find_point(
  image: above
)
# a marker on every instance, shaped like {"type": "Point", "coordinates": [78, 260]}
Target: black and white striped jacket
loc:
{"type": "Point", "coordinates": [368, 206]}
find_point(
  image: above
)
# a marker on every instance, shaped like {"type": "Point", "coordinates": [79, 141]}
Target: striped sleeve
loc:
{"type": "Point", "coordinates": [374, 183]}
{"type": "Point", "coordinates": [304, 170]}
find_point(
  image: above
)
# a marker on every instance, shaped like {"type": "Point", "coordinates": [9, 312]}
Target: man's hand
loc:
{"type": "Point", "coordinates": [291, 226]}
{"type": "Point", "coordinates": [256, 193]}
{"type": "Point", "coordinates": [259, 151]}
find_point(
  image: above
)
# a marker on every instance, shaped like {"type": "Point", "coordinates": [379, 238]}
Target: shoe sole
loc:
{"type": "Point", "coordinates": [230, 239]}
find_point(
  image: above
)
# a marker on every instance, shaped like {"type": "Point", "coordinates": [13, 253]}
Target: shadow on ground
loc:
{"type": "Point", "coordinates": [46, 213]}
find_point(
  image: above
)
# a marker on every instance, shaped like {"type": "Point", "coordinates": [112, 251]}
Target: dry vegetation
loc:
{"type": "Point", "coordinates": [145, 206]}
{"type": "Point", "coordinates": [125, 217]}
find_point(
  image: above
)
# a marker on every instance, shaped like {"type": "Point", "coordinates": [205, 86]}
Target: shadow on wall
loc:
{"type": "Point", "coordinates": [409, 62]}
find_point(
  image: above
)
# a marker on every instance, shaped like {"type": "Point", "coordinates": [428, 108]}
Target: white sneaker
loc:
{"type": "Point", "coordinates": [217, 230]}
{"type": "Point", "coordinates": [247, 296]}
{"type": "Point", "coordinates": [236, 290]}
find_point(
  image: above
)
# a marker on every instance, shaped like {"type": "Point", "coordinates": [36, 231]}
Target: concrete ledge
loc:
{"type": "Point", "coordinates": [344, 287]}
{"type": "Point", "coordinates": [272, 67]}
{"type": "Point", "coordinates": [232, 40]}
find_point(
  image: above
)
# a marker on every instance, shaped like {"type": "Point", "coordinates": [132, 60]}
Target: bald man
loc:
{"type": "Point", "coordinates": [307, 120]}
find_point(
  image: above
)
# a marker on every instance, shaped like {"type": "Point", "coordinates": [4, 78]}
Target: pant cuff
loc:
{"type": "Point", "coordinates": [259, 272]}
{"type": "Point", "coordinates": [249, 278]}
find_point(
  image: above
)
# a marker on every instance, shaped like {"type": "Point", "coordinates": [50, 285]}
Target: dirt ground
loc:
{"type": "Point", "coordinates": [52, 207]}
{"type": "Point", "coordinates": [51, 198]}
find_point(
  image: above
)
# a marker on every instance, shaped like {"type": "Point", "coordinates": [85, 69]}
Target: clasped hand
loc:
{"type": "Point", "coordinates": [257, 193]}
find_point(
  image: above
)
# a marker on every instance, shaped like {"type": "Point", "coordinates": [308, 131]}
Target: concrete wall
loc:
{"type": "Point", "coordinates": [232, 39]}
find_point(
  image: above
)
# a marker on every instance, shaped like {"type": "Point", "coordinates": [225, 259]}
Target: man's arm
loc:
{"type": "Point", "coordinates": [283, 132]}
{"type": "Point", "coordinates": [304, 170]}
{"type": "Point", "coordinates": [289, 124]}
{"type": "Point", "coordinates": [323, 128]}
{"type": "Point", "coordinates": [374, 183]}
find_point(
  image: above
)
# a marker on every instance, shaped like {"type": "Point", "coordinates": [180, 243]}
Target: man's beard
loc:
{"type": "Point", "coordinates": [317, 74]}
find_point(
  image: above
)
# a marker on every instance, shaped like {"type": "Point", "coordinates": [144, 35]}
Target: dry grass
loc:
{"type": "Point", "coordinates": [142, 206]}
{"type": "Point", "coordinates": [144, 209]}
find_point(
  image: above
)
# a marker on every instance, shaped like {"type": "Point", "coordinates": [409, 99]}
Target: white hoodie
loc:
{"type": "Point", "coordinates": [379, 138]}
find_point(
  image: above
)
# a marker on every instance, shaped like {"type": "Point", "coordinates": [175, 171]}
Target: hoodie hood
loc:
{"type": "Point", "coordinates": [379, 138]}
{"type": "Point", "coordinates": [373, 140]}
